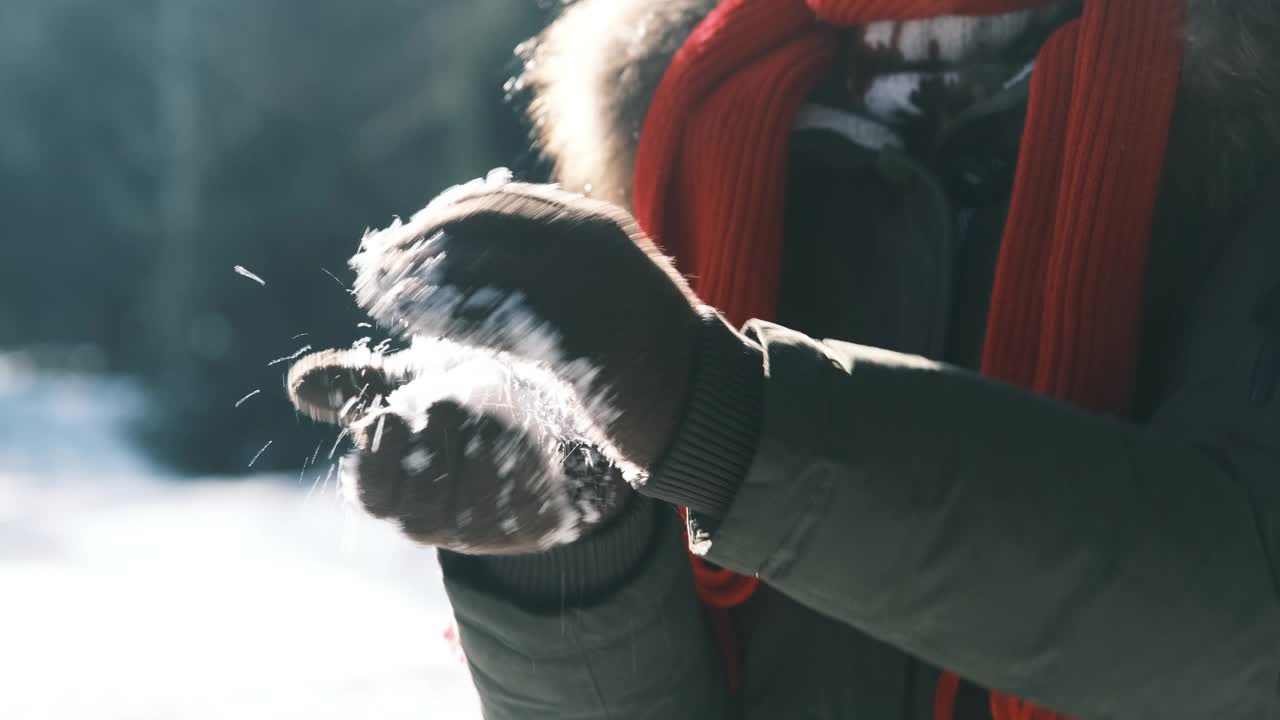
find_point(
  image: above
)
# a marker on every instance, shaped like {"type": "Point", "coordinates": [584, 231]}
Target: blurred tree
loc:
{"type": "Point", "coordinates": [149, 146]}
{"type": "Point", "coordinates": [76, 152]}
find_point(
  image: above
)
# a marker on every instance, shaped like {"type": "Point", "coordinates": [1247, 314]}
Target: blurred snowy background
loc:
{"type": "Point", "coordinates": [128, 594]}
{"type": "Point", "coordinates": [148, 568]}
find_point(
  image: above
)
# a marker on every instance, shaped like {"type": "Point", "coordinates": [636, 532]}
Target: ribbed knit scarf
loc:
{"type": "Point", "coordinates": [1067, 299]}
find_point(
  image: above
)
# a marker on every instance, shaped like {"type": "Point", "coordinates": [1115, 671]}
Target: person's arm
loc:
{"type": "Point", "coordinates": [572, 593]}
{"type": "Point", "coordinates": [641, 650]}
{"type": "Point", "coordinates": [1099, 567]}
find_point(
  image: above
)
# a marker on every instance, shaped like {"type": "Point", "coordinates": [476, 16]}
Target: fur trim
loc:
{"type": "Point", "coordinates": [593, 72]}
{"type": "Point", "coordinates": [1226, 129]}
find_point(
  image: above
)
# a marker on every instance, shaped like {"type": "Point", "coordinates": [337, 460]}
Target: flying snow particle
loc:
{"type": "Point", "coordinates": [240, 270]}
{"type": "Point", "coordinates": [377, 433]}
{"type": "Point", "coordinates": [416, 461]}
{"type": "Point", "coordinates": [259, 453]}
{"type": "Point", "coordinates": [337, 441]}
{"type": "Point", "coordinates": [335, 279]}
{"type": "Point", "coordinates": [246, 397]}
{"type": "Point", "coordinates": [297, 354]}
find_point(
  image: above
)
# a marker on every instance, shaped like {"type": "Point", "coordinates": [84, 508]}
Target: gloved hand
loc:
{"type": "Point", "coordinates": [463, 451]}
{"type": "Point", "coordinates": [552, 277]}
{"type": "Point", "coordinates": [591, 324]}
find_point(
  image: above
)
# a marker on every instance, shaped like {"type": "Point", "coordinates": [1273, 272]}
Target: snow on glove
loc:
{"type": "Point", "coordinates": [466, 452]}
{"type": "Point", "coordinates": [555, 278]}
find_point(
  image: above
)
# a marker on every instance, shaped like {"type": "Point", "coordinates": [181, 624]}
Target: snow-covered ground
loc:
{"type": "Point", "coordinates": [127, 595]}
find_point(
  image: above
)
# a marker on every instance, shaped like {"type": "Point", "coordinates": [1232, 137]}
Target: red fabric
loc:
{"type": "Point", "coordinates": [1067, 299]}
{"type": "Point", "coordinates": [944, 697]}
{"type": "Point", "coordinates": [718, 588]}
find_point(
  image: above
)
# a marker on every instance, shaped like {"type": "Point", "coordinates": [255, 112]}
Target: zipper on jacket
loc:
{"type": "Point", "coordinates": [1266, 369]}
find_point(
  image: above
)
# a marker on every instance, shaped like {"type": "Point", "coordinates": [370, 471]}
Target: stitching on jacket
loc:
{"type": "Point", "coordinates": [820, 499]}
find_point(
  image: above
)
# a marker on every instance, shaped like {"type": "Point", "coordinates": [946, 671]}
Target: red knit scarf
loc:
{"type": "Point", "coordinates": [1067, 300]}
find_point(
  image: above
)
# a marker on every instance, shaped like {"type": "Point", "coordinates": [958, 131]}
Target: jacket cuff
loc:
{"type": "Point", "coordinates": [576, 574]}
{"type": "Point", "coordinates": [717, 439]}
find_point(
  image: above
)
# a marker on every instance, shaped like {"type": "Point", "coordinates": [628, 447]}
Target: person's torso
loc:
{"type": "Point", "coordinates": [892, 250]}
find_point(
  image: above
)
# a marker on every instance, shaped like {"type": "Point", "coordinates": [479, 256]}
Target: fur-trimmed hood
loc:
{"type": "Point", "coordinates": [593, 72]}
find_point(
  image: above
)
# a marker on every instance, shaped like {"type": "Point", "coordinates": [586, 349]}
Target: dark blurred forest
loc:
{"type": "Point", "coordinates": [147, 147]}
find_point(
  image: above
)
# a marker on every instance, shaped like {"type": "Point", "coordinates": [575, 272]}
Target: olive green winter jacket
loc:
{"type": "Point", "coordinates": [906, 514]}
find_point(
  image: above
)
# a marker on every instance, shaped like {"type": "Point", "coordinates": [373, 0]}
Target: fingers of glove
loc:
{"type": "Point", "coordinates": [593, 484]}
{"type": "Point", "coordinates": [496, 498]}
{"type": "Point", "coordinates": [377, 467]}
{"type": "Point", "coordinates": [464, 482]}
{"type": "Point", "coordinates": [337, 386]}
{"type": "Point", "coordinates": [473, 483]}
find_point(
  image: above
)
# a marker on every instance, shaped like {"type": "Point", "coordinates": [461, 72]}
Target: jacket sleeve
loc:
{"type": "Point", "coordinates": [641, 651]}
{"type": "Point", "coordinates": [1102, 568]}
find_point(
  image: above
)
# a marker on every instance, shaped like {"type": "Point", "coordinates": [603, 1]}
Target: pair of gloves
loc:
{"type": "Point", "coordinates": [553, 356]}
